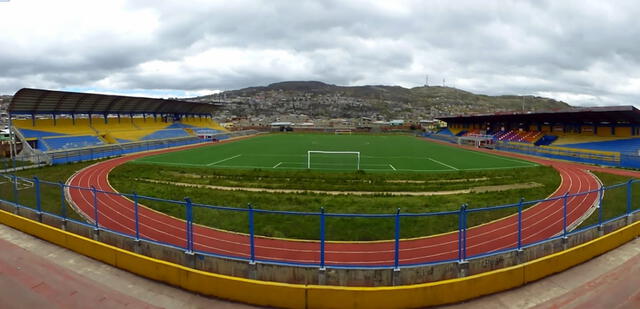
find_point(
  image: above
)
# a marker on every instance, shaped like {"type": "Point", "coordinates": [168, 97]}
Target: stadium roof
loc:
{"type": "Point", "coordinates": [611, 114]}
{"type": "Point", "coordinates": [39, 101]}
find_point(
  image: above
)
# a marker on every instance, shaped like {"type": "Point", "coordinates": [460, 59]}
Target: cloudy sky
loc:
{"type": "Point", "coordinates": [583, 52]}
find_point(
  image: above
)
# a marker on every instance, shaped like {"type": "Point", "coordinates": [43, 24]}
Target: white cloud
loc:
{"type": "Point", "coordinates": [583, 52]}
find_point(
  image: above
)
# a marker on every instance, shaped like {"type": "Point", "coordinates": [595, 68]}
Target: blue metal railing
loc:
{"type": "Point", "coordinates": [99, 221]}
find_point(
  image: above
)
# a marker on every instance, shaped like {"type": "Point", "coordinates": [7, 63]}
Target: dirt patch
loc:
{"type": "Point", "coordinates": [394, 193]}
{"type": "Point", "coordinates": [439, 180]}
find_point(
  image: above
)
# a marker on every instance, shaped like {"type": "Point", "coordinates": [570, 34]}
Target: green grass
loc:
{"type": "Point", "coordinates": [472, 169]}
{"type": "Point", "coordinates": [378, 153]}
{"type": "Point", "coordinates": [614, 203]}
{"type": "Point", "coordinates": [50, 194]}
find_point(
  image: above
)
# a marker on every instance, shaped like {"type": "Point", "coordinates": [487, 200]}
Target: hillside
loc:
{"type": "Point", "coordinates": [316, 99]}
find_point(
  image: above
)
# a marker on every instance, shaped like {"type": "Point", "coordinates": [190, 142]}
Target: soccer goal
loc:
{"type": "Point", "coordinates": [343, 132]}
{"type": "Point", "coordinates": [333, 159]}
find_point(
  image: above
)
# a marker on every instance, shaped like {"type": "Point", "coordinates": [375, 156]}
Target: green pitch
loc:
{"type": "Point", "coordinates": [391, 153]}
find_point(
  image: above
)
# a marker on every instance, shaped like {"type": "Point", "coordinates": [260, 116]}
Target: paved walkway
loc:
{"type": "Point", "coordinates": [37, 274]}
{"type": "Point", "coordinates": [609, 281]}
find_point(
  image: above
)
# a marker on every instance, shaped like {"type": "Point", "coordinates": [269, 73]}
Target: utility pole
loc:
{"type": "Point", "coordinates": [523, 104]}
{"type": "Point", "coordinates": [443, 83]}
{"type": "Point", "coordinates": [426, 84]}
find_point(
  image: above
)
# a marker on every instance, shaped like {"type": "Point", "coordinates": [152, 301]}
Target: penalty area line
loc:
{"type": "Point", "coordinates": [227, 159]}
{"type": "Point", "coordinates": [275, 166]}
{"type": "Point", "coordinates": [444, 164]}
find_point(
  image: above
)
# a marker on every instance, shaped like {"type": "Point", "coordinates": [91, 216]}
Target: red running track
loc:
{"type": "Point", "coordinates": [539, 222]}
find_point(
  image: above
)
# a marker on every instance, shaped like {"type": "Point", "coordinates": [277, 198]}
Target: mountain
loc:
{"type": "Point", "coordinates": [320, 100]}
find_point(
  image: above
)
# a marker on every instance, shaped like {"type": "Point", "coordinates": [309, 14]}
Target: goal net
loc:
{"type": "Point", "coordinates": [342, 160]}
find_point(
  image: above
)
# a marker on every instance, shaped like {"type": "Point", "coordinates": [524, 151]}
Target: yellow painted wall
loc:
{"type": "Point", "coordinates": [623, 131]}
{"type": "Point", "coordinates": [204, 123]}
{"type": "Point", "coordinates": [604, 131]}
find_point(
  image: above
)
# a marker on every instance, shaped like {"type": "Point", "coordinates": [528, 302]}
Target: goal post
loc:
{"type": "Point", "coordinates": [335, 154]}
{"type": "Point", "coordinates": [342, 131]}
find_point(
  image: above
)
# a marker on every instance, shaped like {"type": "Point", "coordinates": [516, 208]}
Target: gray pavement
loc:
{"type": "Point", "coordinates": [34, 272]}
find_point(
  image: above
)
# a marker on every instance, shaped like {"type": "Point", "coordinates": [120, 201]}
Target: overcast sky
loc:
{"type": "Point", "coordinates": [582, 52]}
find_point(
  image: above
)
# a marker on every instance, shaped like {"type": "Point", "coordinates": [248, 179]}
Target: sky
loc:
{"type": "Point", "coordinates": [585, 53]}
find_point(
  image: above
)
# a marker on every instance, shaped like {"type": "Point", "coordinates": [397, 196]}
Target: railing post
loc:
{"type": "Point", "coordinates": [189, 226]}
{"type": "Point", "coordinates": [564, 215]}
{"type": "Point", "coordinates": [36, 184]}
{"type": "Point", "coordinates": [136, 215]}
{"type": "Point", "coordinates": [396, 255]}
{"type": "Point", "coordinates": [63, 208]}
{"type": "Point", "coordinates": [252, 236]}
{"type": "Point", "coordinates": [95, 207]}
{"type": "Point", "coordinates": [462, 233]}
{"type": "Point", "coordinates": [322, 237]}
{"type": "Point", "coordinates": [15, 188]}
{"type": "Point", "coordinates": [629, 196]}
{"type": "Point", "coordinates": [600, 205]}
{"type": "Point", "coordinates": [520, 223]}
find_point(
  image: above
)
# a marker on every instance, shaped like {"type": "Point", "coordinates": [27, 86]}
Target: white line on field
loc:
{"type": "Point", "coordinates": [392, 167]}
{"type": "Point", "coordinates": [227, 159]}
{"type": "Point", "coordinates": [277, 165]}
{"type": "Point", "coordinates": [443, 164]}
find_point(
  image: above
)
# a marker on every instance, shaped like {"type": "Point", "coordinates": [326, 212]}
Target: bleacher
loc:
{"type": "Point", "coordinates": [66, 133]}
{"type": "Point", "coordinates": [628, 145]}
{"type": "Point", "coordinates": [166, 133]}
{"type": "Point", "coordinates": [445, 131]}
{"type": "Point", "coordinates": [72, 142]}
{"type": "Point", "coordinates": [518, 136]}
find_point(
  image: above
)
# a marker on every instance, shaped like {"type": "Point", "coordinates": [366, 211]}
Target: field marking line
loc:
{"type": "Point", "coordinates": [392, 167]}
{"type": "Point", "coordinates": [275, 166]}
{"type": "Point", "coordinates": [443, 164]}
{"type": "Point", "coordinates": [227, 159]}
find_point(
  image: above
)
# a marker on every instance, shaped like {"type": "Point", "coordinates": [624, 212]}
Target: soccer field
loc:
{"type": "Point", "coordinates": [371, 153]}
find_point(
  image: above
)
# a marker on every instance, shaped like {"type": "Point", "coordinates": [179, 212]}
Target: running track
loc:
{"type": "Point", "coordinates": [540, 221]}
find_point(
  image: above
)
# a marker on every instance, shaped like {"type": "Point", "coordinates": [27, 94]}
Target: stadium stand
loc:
{"type": "Point", "coordinates": [445, 131]}
{"type": "Point", "coordinates": [47, 121]}
{"type": "Point", "coordinates": [601, 135]}
{"type": "Point", "coordinates": [71, 142]}
{"type": "Point", "coordinates": [629, 145]}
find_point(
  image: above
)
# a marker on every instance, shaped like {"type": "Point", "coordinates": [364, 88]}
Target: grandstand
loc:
{"type": "Point", "coordinates": [47, 122]}
{"type": "Point", "coordinates": [609, 134]}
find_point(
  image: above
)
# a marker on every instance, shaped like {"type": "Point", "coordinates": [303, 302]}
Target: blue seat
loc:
{"type": "Point", "coordinates": [28, 133]}
{"type": "Point", "coordinates": [166, 133]}
{"type": "Point", "coordinates": [70, 142]}
{"type": "Point", "coordinates": [630, 145]}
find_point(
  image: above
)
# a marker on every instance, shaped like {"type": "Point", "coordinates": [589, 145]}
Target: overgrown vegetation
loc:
{"type": "Point", "coordinates": [50, 194]}
{"type": "Point", "coordinates": [614, 203]}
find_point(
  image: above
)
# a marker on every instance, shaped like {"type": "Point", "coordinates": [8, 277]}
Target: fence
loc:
{"type": "Point", "coordinates": [525, 229]}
